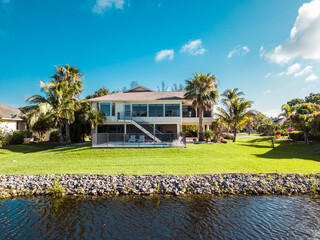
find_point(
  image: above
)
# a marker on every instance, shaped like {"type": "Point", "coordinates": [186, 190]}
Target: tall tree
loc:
{"type": "Point", "coordinates": [72, 77]}
{"type": "Point", "coordinates": [99, 93]}
{"type": "Point", "coordinates": [61, 100]}
{"type": "Point", "coordinates": [202, 92]}
{"type": "Point", "coordinates": [236, 112]}
{"type": "Point", "coordinates": [163, 88]}
{"type": "Point", "coordinates": [313, 98]}
{"type": "Point", "coordinates": [177, 88]}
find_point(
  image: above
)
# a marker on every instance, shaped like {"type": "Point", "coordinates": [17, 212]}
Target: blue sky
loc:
{"type": "Point", "coordinates": [247, 44]}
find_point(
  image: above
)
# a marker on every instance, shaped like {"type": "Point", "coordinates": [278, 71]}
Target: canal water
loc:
{"type": "Point", "coordinates": [161, 217]}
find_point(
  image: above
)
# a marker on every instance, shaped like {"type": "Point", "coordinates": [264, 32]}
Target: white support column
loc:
{"type": "Point", "coordinates": [154, 129]}
{"type": "Point", "coordinates": [125, 128]}
{"type": "Point", "coordinates": [177, 128]}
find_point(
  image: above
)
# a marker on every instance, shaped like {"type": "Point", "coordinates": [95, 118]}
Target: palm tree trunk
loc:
{"type": "Point", "coordinates": [61, 136]}
{"type": "Point", "coordinates": [201, 138]}
{"type": "Point", "coordinates": [67, 131]}
{"type": "Point", "coordinates": [234, 133]}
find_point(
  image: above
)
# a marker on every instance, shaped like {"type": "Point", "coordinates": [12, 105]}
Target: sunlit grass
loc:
{"type": "Point", "coordinates": [247, 155]}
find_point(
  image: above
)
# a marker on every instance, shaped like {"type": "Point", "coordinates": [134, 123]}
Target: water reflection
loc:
{"type": "Point", "coordinates": [161, 217]}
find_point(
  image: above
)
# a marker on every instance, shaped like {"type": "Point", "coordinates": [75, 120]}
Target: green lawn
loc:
{"type": "Point", "coordinates": [247, 155]}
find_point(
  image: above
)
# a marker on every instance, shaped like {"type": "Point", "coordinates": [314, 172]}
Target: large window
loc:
{"type": "Point", "coordinates": [139, 110]}
{"type": "Point", "coordinates": [188, 111]}
{"type": "Point", "coordinates": [155, 110]}
{"type": "Point", "coordinates": [108, 109]}
{"type": "Point", "coordinates": [206, 113]}
{"type": "Point", "coordinates": [172, 110]}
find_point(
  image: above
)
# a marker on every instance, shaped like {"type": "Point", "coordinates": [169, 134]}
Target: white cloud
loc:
{"type": "Point", "coordinates": [304, 37]}
{"type": "Point", "coordinates": [266, 92]}
{"type": "Point", "coordinates": [290, 70]}
{"type": "Point", "coordinates": [311, 78]}
{"type": "Point", "coordinates": [101, 5]}
{"type": "Point", "coordinates": [267, 75]}
{"type": "Point", "coordinates": [239, 51]}
{"type": "Point", "coordinates": [193, 48]}
{"type": "Point", "coordinates": [163, 54]}
{"type": "Point", "coordinates": [304, 71]}
{"type": "Point", "coordinates": [293, 68]}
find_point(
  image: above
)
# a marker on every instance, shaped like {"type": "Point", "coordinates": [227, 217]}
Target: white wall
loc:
{"type": "Point", "coordinates": [8, 126]}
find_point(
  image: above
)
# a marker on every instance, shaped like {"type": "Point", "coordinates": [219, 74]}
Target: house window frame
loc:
{"type": "Point", "coordinates": [156, 111]}
{"type": "Point", "coordinates": [139, 110]}
{"type": "Point", "coordinates": [112, 108]}
{"type": "Point", "coordinates": [167, 105]}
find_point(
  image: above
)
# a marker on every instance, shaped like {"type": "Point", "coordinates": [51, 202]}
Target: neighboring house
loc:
{"type": "Point", "coordinates": [158, 116]}
{"type": "Point", "coordinates": [280, 121]}
{"type": "Point", "coordinates": [13, 118]}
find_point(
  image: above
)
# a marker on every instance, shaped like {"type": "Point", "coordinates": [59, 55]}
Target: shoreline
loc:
{"type": "Point", "coordinates": [12, 186]}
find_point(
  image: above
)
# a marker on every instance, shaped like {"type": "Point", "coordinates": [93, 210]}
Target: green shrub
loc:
{"type": "Point", "coordinates": [54, 136]}
{"type": "Point", "coordinates": [296, 136]}
{"type": "Point", "coordinates": [3, 141]}
{"type": "Point", "coordinates": [190, 130]}
{"type": "Point", "coordinates": [17, 137]}
{"type": "Point", "coordinates": [208, 134]}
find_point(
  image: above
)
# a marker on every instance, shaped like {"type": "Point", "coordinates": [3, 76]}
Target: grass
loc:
{"type": "Point", "coordinates": [247, 155]}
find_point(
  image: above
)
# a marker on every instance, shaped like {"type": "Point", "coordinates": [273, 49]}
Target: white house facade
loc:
{"type": "Point", "coordinates": [143, 111]}
{"type": "Point", "coordinates": [12, 119]}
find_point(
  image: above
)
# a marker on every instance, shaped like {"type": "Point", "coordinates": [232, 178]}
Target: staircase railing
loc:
{"type": "Point", "coordinates": [139, 120]}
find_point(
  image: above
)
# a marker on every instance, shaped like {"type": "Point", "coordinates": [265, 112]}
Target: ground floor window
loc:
{"type": "Point", "coordinates": [111, 129]}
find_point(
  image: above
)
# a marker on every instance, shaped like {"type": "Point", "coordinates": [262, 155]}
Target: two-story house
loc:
{"type": "Point", "coordinates": [142, 117]}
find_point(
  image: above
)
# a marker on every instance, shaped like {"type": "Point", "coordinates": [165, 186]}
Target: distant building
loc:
{"type": "Point", "coordinates": [279, 121]}
{"type": "Point", "coordinates": [13, 118]}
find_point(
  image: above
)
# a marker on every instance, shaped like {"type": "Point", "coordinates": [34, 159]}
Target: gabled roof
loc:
{"type": "Point", "coordinates": [140, 93]}
{"type": "Point", "coordinates": [280, 120]}
{"type": "Point", "coordinates": [10, 113]}
{"type": "Point", "coordinates": [139, 89]}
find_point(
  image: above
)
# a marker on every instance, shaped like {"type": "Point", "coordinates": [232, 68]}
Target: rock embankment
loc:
{"type": "Point", "coordinates": [215, 184]}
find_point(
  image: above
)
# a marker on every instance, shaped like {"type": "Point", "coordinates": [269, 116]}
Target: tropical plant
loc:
{"type": "Point", "coordinates": [218, 126]}
{"type": "Point", "coordinates": [43, 124]}
{"type": "Point", "coordinates": [302, 116]}
{"type": "Point", "coordinates": [208, 134]}
{"type": "Point", "coordinates": [236, 110]}
{"type": "Point", "coordinates": [86, 118]}
{"type": "Point", "coordinates": [202, 92]}
{"type": "Point", "coordinates": [60, 102]}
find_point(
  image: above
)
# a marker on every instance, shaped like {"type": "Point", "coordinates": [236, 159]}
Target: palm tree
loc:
{"type": "Point", "coordinates": [71, 76]}
{"type": "Point", "coordinates": [57, 105]}
{"type": "Point", "coordinates": [287, 110]}
{"type": "Point", "coordinates": [236, 112]}
{"type": "Point", "coordinates": [202, 92]}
